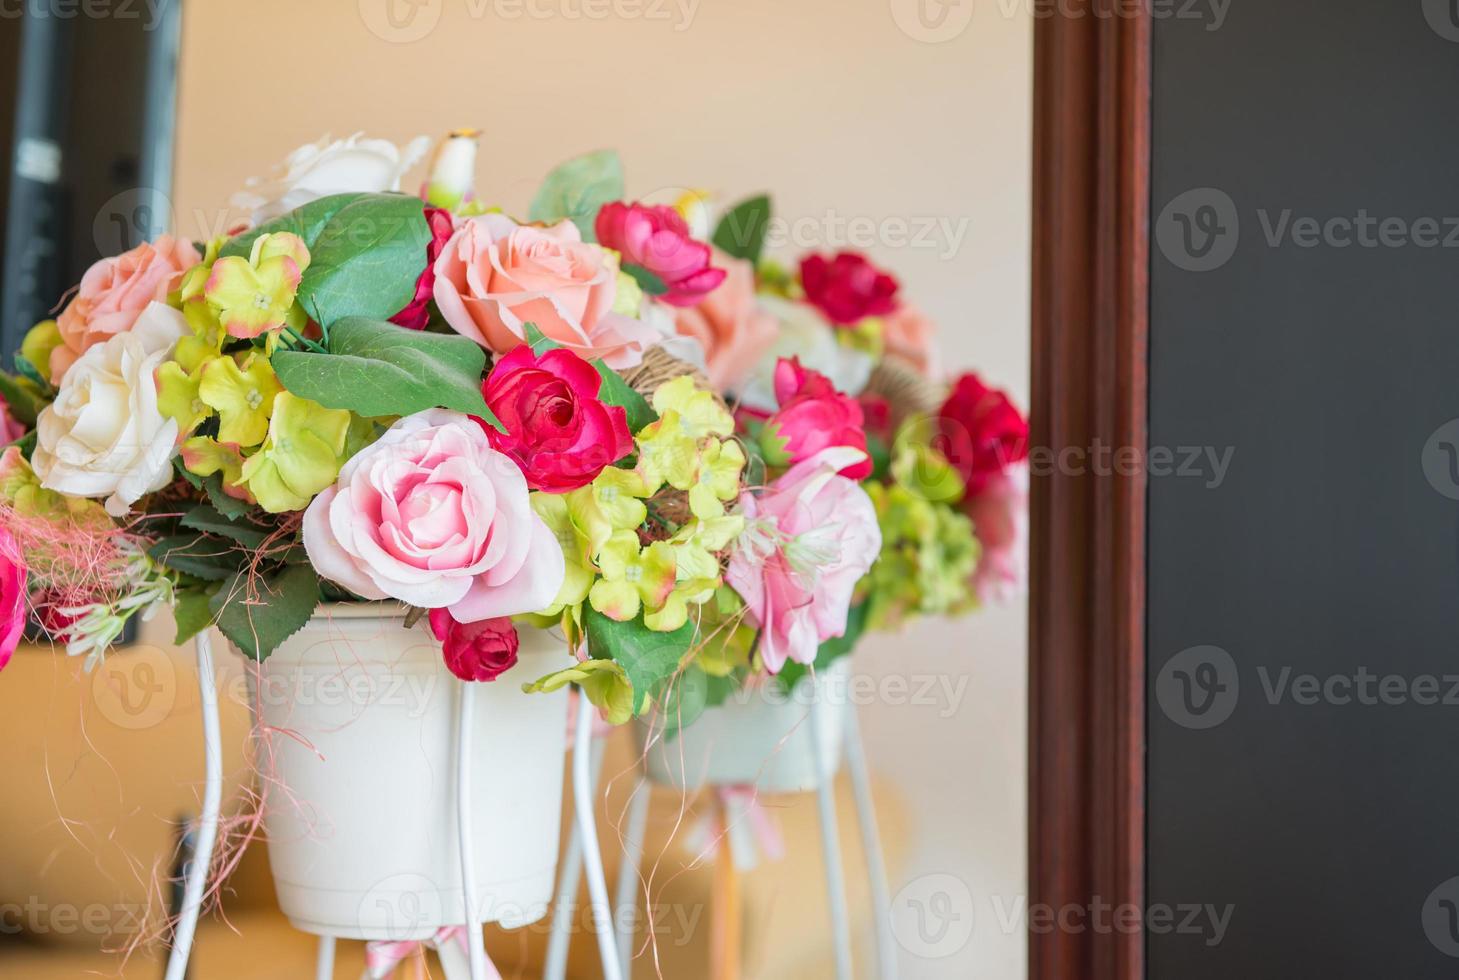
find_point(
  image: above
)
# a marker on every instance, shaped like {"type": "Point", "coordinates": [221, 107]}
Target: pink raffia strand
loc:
{"type": "Point", "coordinates": [449, 942]}
{"type": "Point", "coordinates": [71, 563]}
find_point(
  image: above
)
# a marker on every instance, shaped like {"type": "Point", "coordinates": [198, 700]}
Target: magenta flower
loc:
{"type": "Point", "coordinates": [847, 288]}
{"type": "Point", "coordinates": [12, 596]}
{"type": "Point", "coordinates": [476, 651]}
{"type": "Point", "coordinates": [809, 538]}
{"type": "Point", "coordinates": [656, 238]}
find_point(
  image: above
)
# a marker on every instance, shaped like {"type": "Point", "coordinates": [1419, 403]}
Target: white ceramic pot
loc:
{"type": "Point", "coordinates": [761, 737]}
{"type": "Point", "coordinates": [358, 760]}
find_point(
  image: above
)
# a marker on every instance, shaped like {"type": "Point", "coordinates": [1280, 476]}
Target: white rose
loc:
{"type": "Point", "coordinates": [320, 169]}
{"type": "Point", "coordinates": [103, 436]}
{"type": "Point", "coordinates": [806, 335]}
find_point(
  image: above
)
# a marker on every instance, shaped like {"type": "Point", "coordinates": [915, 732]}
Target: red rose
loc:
{"type": "Point", "coordinates": [847, 288]}
{"type": "Point", "coordinates": [557, 430]}
{"type": "Point", "coordinates": [980, 432]}
{"type": "Point", "coordinates": [417, 314]}
{"type": "Point", "coordinates": [655, 237]}
{"type": "Point", "coordinates": [813, 416]}
{"type": "Point", "coordinates": [476, 651]}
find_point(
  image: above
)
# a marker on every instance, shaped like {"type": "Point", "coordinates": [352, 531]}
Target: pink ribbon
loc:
{"type": "Point", "coordinates": [746, 824]}
{"type": "Point", "coordinates": [449, 942]}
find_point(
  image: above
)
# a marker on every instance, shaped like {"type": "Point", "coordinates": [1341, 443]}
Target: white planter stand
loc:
{"type": "Point", "coordinates": [366, 723]}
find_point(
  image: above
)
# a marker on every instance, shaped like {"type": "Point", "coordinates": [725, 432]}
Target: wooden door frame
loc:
{"type": "Point", "coordinates": [1091, 184]}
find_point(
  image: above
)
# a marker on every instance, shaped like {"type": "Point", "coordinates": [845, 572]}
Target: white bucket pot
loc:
{"type": "Point", "coordinates": [761, 737]}
{"type": "Point", "coordinates": [357, 756]}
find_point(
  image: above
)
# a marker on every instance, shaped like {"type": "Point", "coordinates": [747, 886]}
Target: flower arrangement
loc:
{"type": "Point", "coordinates": [604, 417]}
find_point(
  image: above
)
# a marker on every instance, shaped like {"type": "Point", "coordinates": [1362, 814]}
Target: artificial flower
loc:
{"type": "Point", "coordinates": [717, 478]}
{"type": "Point", "coordinates": [613, 502]}
{"type": "Point", "coordinates": [113, 294]}
{"type": "Point", "coordinates": [496, 276]}
{"type": "Point", "coordinates": [813, 416]}
{"type": "Point", "coordinates": [730, 325]}
{"type": "Point", "coordinates": [431, 515]}
{"type": "Point", "coordinates": [21, 491]}
{"type": "Point", "coordinates": [557, 428]}
{"type": "Point", "coordinates": [847, 288]}
{"type": "Point", "coordinates": [805, 335]}
{"type": "Point", "coordinates": [479, 651]}
{"type": "Point", "coordinates": [13, 593]}
{"type": "Point", "coordinates": [999, 512]}
{"type": "Point", "coordinates": [300, 456]}
{"type": "Point", "coordinates": [177, 396]}
{"type": "Point", "coordinates": [37, 345]}
{"type": "Point", "coordinates": [417, 313]}
{"type": "Point", "coordinates": [809, 538]}
{"type": "Point", "coordinates": [453, 169]}
{"type": "Point", "coordinates": [104, 436]}
{"type": "Point", "coordinates": [11, 428]}
{"type": "Point", "coordinates": [635, 577]}
{"type": "Point", "coordinates": [927, 558]}
{"type": "Point", "coordinates": [255, 295]}
{"type": "Point", "coordinates": [603, 682]}
{"type": "Point", "coordinates": [655, 238]}
{"type": "Point", "coordinates": [323, 168]}
{"type": "Point", "coordinates": [578, 573]}
{"type": "Point", "coordinates": [907, 335]}
{"type": "Point", "coordinates": [242, 395]}
{"type": "Point", "coordinates": [980, 432]}
{"type": "Point", "coordinates": [203, 457]}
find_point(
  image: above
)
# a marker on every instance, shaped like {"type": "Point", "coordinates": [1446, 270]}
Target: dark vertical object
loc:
{"type": "Point", "coordinates": [1304, 301]}
{"type": "Point", "coordinates": [1086, 625]}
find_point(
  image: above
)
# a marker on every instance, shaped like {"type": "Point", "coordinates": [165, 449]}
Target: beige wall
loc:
{"type": "Point", "coordinates": [839, 111]}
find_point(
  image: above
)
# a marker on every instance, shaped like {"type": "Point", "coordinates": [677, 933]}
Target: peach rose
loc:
{"type": "Point", "coordinates": [908, 335]}
{"type": "Point", "coordinates": [113, 294]}
{"type": "Point", "coordinates": [495, 276]}
{"type": "Point", "coordinates": [730, 324]}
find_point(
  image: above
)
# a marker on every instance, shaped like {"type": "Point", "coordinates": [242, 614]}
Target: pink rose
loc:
{"type": "Point", "coordinates": [813, 416]}
{"type": "Point", "coordinates": [12, 596]}
{"type": "Point", "coordinates": [476, 651]}
{"type": "Point", "coordinates": [431, 515]}
{"type": "Point", "coordinates": [730, 325]}
{"type": "Point", "coordinates": [907, 335]}
{"type": "Point", "coordinates": [1000, 522]}
{"type": "Point", "coordinates": [10, 427]}
{"type": "Point", "coordinates": [495, 276]}
{"type": "Point", "coordinates": [113, 294]}
{"type": "Point", "coordinates": [417, 314]}
{"type": "Point", "coordinates": [847, 288]}
{"type": "Point", "coordinates": [809, 538]}
{"type": "Point", "coordinates": [656, 238]}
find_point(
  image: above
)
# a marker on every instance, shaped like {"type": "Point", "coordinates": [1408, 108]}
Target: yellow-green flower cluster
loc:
{"type": "Point", "coordinates": [270, 446]}
{"type": "Point", "coordinates": [927, 558]}
{"type": "Point", "coordinates": [624, 556]}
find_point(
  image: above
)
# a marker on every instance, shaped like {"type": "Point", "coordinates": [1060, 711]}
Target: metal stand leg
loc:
{"type": "Point", "coordinates": [464, 729]}
{"type": "Point", "coordinates": [565, 905]}
{"type": "Point", "coordinates": [582, 802]}
{"type": "Point", "coordinates": [876, 870]}
{"type": "Point", "coordinates": [625, 901]}
{"type": "Point", "coordinates": [197, 872]}
{"type": "Point", "coordinates": [324, 965]}
{"type": "Point", "coordinates": [831, 848]}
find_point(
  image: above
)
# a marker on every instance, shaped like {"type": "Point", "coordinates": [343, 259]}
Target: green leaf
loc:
{"type": "Point", "coordinates": [577, 189]}
{"type": "Point", "coordinates": [258, 621]}
{"type": "Point", "coordinates": [647, 281]}
{"type": "Point", "coordinates": [648, 658]}
{"type": "Point", "coordinates": [191, 614]}
{"type": "Point", "coordinates": [30, 372]}
{"type": "Point", "coordinates": [376, 369]}
{"type": "Point", "coordinates": [613, 391]}
{"type": "Point", "coordinates": [24, 397]}
{"type": "Point", "coordinates": [741, 232]}
{"type": "Point", "coordinates": [209, 520]}
{"type": "Point", "coordinates": [366, 253]}
{"type": "Point", "coordinates": [199, 556]}
{"type": "Point", "coordinates": [230, 507]}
